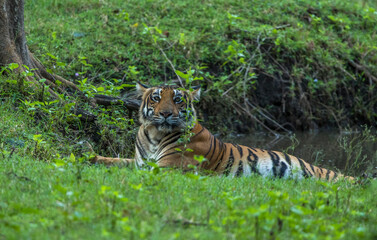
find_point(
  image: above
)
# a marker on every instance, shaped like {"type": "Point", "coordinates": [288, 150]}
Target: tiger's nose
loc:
{"type": "Point", "coordinates": [166, 114]}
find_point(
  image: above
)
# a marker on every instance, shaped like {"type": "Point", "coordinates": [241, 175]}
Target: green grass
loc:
{"type": "Point", "coordinates": [47, 193]}
{"type": "Point", "coordinates": [291, 58]}
{"type": "Point", "coordinates": [42, 201]}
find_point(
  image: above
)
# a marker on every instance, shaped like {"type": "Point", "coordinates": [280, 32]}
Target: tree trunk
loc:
{"type": "Point", "coordinates": [13, 49]}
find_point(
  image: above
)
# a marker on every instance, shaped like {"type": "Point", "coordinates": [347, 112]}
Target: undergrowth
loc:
{"type": "Point", "coordinates": [286, 64]}
{"type": "Point", "coordinates": [69, 199]}
{"type": "Point", "coordinates": [50, 191]}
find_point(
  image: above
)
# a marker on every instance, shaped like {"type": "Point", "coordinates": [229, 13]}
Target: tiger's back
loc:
{"type": "Point", "coordinates": [231, 159]}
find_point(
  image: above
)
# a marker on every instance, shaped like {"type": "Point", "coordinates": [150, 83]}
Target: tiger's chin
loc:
{"type": "Point", "coordinates": [168, 128]}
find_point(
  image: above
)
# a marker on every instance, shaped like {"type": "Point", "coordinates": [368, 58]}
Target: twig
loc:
{"type": "Point", "coordinates": [253, 117]}
{"type": "Point", "coordinates": [11, 153]}
{"type": "Point", "coordinates": [171, 64]}
{"type": "Point", "coordinates": [19, 177]}
{"type": "Point", "coordinates": [229, 89]}
{"type": "Point", "coordinates": [346, 72]}
{"type": "Point", "coordinates": [363, 69]}
{"type": "Point", "coordinates": [268, 118]}
{"type": "Point", "coordinates": [282, 26]}
{"type": "Point", "coordinates": [187, 222]}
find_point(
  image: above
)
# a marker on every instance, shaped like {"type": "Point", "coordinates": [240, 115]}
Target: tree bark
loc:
{"type": "Point", "coordinates": [13, 46]}
{"type": "Point", "coordinates": [13, 49]}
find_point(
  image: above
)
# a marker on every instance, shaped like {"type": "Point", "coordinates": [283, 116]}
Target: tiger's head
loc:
{"type": "Point", "coordinates": [167, 108]}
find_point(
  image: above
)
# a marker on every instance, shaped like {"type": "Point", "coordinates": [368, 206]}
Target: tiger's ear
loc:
{"type": "Point", "coordinates": [196, 93]}
{"type": "Point", "coordinates": [141, 88]}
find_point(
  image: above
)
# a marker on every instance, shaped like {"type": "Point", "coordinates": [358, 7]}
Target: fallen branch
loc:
{"type": "Point", "coordinates": [130, 104]}
{"type": "Point", "coordinates": [252, 116]}
{"type": "Point", "coordinates": [186, 222]}
{"type": "Point", "coordinates": [19, 177]}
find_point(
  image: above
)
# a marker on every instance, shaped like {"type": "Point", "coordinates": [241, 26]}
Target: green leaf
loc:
{"type": "Point", "coordinates": [51, 56]}
{"type": "Point", "coordinates": [72, 158]}
{"type": "Point", "coordinates": [181, 74]}
{"type": "Point", "coordinates": [13, 66]}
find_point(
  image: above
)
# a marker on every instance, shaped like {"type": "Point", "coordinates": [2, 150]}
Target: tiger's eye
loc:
{"type": "Point", "coordinates": [177, 100]}
{"type": "Point", "coordinates": [156, 98]}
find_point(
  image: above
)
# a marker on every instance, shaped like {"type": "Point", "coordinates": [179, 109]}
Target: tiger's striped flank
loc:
{"type": "Point", "coordinates": [166, 112]}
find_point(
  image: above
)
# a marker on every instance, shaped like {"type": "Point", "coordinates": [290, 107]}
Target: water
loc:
{"type": "Point", "coordinates": [322, 148]}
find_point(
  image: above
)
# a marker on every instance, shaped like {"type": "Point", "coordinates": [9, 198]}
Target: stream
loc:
{"type": "Point", "coordinates": [348, 152]}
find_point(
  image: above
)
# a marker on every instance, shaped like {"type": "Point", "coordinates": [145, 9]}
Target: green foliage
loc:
{"type": "Point", "coordinates": [302, 51]}
{"type": "Point", "coordinates": [42, 201]}
{"type": "Point", "coordinates": [299, 53]}
{"type": "Point", "coordinates": [354, 148]}
{"type": "Point", "coordinates": [52, 192]}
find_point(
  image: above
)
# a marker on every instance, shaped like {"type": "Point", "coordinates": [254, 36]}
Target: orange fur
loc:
{"type": "Point", "coordinates": [163, 124]}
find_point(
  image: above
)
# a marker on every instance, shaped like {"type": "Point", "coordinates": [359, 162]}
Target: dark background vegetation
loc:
{"type": "Point", "coordinates": [292, 64]}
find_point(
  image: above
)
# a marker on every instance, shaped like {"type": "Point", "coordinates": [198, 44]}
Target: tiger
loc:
{"type": "Point", "coordinates": [167, 114]}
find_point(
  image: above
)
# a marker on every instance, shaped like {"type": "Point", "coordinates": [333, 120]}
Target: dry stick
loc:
{"type": "Point", "coordinates": [244, 81]}
{"type": "Point", "coordinates": [346, 72]}
{"type": "Point", "coordinates": [332, 113]}
{"type": "Point", "coordinates": [302, 93]}
{"type": "Point", "coordinates": [36, 64]}
{"type": "Point", "coordinates": [171, 64]}
{"type": "Point", "coordinates": [364, 69]}
{"type": "Point", "coordinates": [240, 68]}
{"type": "Point", "coordinates": [268, 118]}
{"type": "Point", "coordinates": [229, 89]}
{"type": "Point", "coordinates": [252, 116]}
{"type": "Point", "coordinates": [50, 76]}
{"type": "Point", "coordinates": [282, 26]}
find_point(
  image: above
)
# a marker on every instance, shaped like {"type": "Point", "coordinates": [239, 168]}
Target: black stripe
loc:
{"type": "Point", "coordinates": [275, 162]}
{"type": "Point", "coordinates": [140, 149]}
{"type": "Point", "coordinates": [240, 169]}
{"type": "Point", "coordinates": [210, 147]}
{"type": "Point", "coordinates": [172, 139]}
{"type": "Point", "coordinates": [221, 158]}
{"type": "Point", "coordinates": [168, 154]}
{"type": "Point", "coordinates": [142, 109]}
{"type": "Point", "coordinates": [303, 168]}
{"type": "Point", "coordinates": [328, 174]}
{"type": "Point", "coordinates": [198, 133]}
{"type": "Point", "coordinates": [239, 149]}
{"type": "Point", "coordinates": [147, 136]}
{"type": "Point", "coordinates": [311, 166]}
{"type": "Point", "coordinates": [335, 175]}
{"type": "Point", "coordinates": [255, 150]}
{"type": "Point", "coordinates": [214, 148]}
{"type": "Point", "coordinates": [253, 163]}
{"type": "Point", "coordinates": [288, 159]}
{"type": "Point", "coordinates": [283, 168]}
{"type": "Point", "coordinates": [221, 147]}
{"type": "Point", "coordinates": [230, 163]}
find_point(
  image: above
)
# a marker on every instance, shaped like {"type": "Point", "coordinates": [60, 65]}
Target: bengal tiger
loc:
{"type": "Point", "coordinates": [167, 114]}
